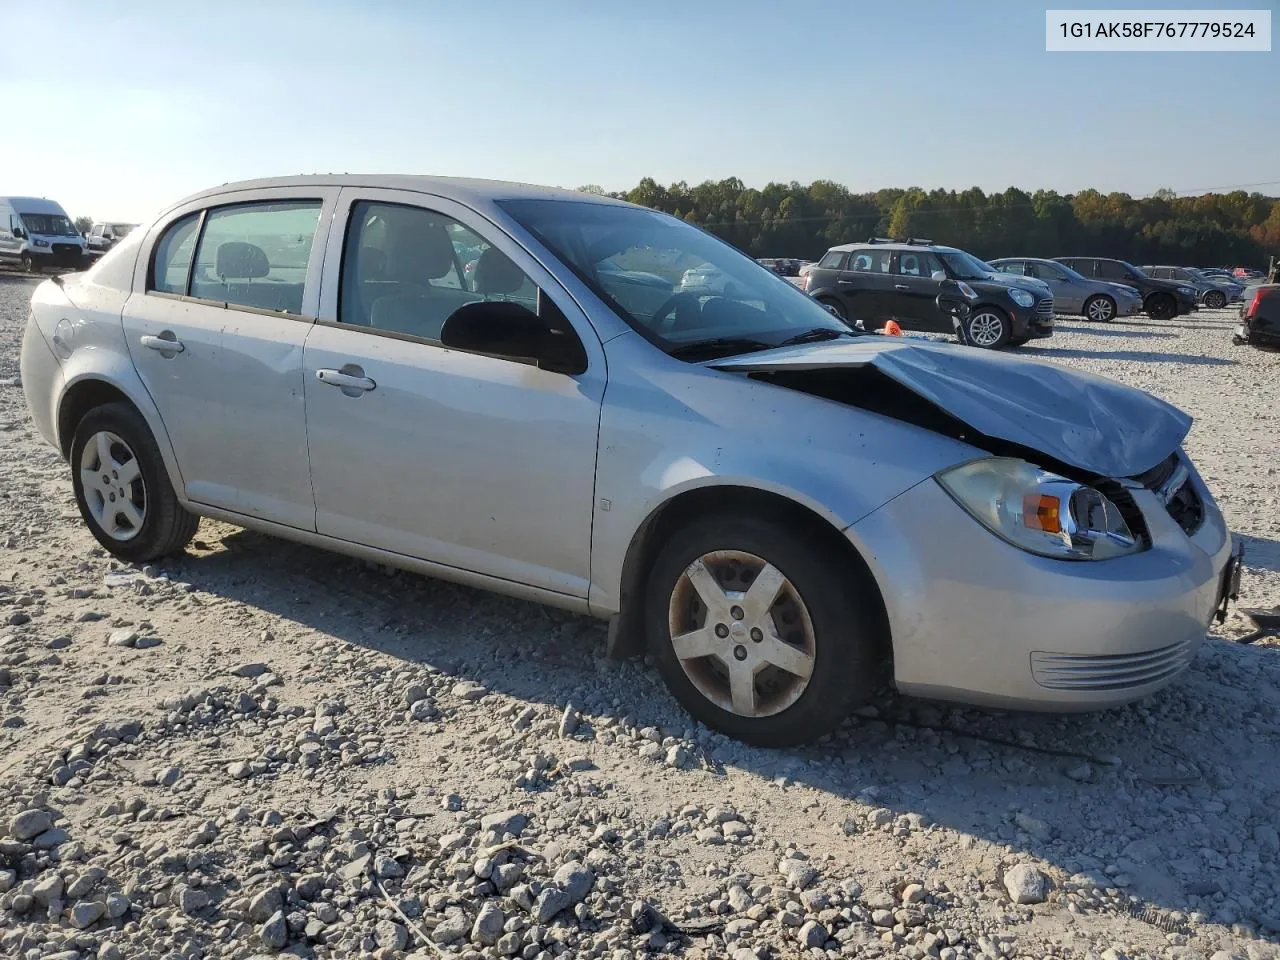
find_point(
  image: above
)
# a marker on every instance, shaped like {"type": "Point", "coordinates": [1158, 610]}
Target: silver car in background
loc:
{"type": "Point", "coordinates": [784, 512]}
{"type": "Point", "coordinates": [1074, 293]}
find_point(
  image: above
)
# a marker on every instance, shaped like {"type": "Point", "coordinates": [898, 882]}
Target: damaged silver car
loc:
{"type": "Point", "coordinates": [466, 379]}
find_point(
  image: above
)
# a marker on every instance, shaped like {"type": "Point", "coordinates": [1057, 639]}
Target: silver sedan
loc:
{"type": "Point", "coordinates": [1074, 293]}
{"type": "Point", "coordinates": [784, 511]}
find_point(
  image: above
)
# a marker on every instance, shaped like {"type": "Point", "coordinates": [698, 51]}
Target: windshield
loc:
{"type": "Point", "coordinates": [49, 225]}
{"type": "Point", "coordinates": [1130, 266]}
{"type": "Point", "coordinates": [965, 266]}
{"type": "Point", "coordinates": [1056, 269]}
{"type": "Point", "coordinates": [710, 295]}
{"type": "Point", "coordinates": [119, 230]}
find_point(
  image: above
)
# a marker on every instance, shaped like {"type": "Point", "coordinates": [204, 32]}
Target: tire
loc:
{"type": "Point", "coordinates": [164, 527]}
{"type": "Point", "coordinates": [1215, 299]}
{"type": "Point", "coordinates": [1100, 309]}
{"type": "Point", "coordinates": [835, 305]}
{"type": "Point", "coordinates": [1161, 306]}
{"type": "Point", "coordinates": [992, 325]}
{"type": "Point", "coordinates": [1018, 341]}
{"type": "Point", "coordinates": [837, 622]}
{"type": "Point", "coordinates": [29, 264]}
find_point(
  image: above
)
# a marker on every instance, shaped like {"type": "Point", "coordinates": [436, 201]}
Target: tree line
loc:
{"type": "Point", "coordinates": [793, 220]}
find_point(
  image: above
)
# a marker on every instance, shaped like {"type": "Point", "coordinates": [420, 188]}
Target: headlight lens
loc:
{"type": "Point", "coordinates": [1038, 511]}
{"type": "Point", "coordinates": [1023, 298]}
{"type": "Point", "coordinates": [40, 243]}
{"type": "Point", "coordinates": [1187, 291]}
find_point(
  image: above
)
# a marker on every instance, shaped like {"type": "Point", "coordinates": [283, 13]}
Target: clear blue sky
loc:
{"type": "Point", "coordinates": [118, 108]}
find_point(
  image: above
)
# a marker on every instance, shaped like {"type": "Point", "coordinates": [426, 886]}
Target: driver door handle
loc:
{"type": "Point", "coordinates": [901, 286]}
{"type": "Point", "coordinates": [347, 381]}
{"type": "Point", "coordinates": [169, 344]}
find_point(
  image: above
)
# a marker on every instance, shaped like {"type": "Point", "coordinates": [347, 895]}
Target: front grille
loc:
{"type": "Point", "coordinates": [1044, 308]}
{"type": "Point", "coordinates": [1107, 672]}
{"type": "Point", "coordinates": [66, 253]}
{"type": "Point", "coordinates": [1170, 480]}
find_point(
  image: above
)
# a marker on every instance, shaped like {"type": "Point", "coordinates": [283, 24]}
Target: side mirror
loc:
{"type": "Point", "coordinates": [512, 331]}
{"type": "Point", "coordinates": [939, 275]}
{"type": "Point", "coordinates": [19, 233]}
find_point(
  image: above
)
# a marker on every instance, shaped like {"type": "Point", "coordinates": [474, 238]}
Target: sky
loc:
{"type": "Point", "coordinates": [117, 109]}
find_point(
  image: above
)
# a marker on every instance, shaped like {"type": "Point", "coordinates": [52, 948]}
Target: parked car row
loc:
{"type": "Point", "coordinates": [781, 510]}
{"type": "Point", "coordinates": [1215, 291]}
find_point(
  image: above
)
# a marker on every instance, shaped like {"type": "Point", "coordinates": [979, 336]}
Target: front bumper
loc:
{"type": "Point", "coordinates": [59, 255]}
{"type": "Point", "coordinates": [1029, 323]}
{"type": "Point", "coordinates": [1128, 308]}
{"type": "Point", "coordinates": [976, 620]}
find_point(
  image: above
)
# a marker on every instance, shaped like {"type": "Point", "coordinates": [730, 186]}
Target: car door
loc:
{"type": "Point", "coordinates": [472, 461]}
{"type": "Point", "coordinates": [866, 285]}
{"type": "Point", "coordinates": [221, 307]}
{"type": "Point", "coordinates": [1069, 293]}
{"type": "Point", "coordinates": [915, 291]}
{"type": "Point", "coordinates": [10, 244]}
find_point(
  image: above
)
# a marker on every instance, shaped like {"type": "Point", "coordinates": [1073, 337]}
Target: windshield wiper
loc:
{"type": "Point", "coordinates": [719, 347]}
{"type": "Point", "coordinates": [816, 335]}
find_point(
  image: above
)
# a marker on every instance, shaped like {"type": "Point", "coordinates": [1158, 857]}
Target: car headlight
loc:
{"type": "Point", "coordinates": [1038, 511]}
{"type": "Point", "coordinates": [1187, 291]}
{"type": "Point", "coordinates": [39, 243]}
{"type": "Point", "coordinates": [1023, 298]}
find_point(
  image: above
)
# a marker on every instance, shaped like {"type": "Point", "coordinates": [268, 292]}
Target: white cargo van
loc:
{"type": "Point", "coordinates": [38, 233]}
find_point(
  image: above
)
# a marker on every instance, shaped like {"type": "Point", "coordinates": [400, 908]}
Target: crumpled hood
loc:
{"type": "Point", "coordinates": [1079, 419]}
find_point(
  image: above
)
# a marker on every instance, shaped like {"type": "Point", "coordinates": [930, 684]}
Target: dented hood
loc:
{"type": "Point", "coordinates": [1079, 419]}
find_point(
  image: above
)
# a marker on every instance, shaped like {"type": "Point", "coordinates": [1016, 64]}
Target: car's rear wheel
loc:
{"type": "Point", "coordinates": [760, 633]}
{"type": "Point", "coordinates": [988, 327]}
{"type": "Point", "coordinates": [1215, 299]}
{"type": "Point", "coordinates": [1100, 309]}
{"type": "Point", "coordinates": [1161, 306]}
{"type": "Point", "coordinates": [832, 303]}
{"type": "Point", "coordinates": [122, 488]}
{"type": "Point", "coordinates": [28, 263]}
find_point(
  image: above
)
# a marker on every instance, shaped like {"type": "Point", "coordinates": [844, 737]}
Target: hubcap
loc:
{"type": "Point", "coordinates": [985, 329]}
{"type": "Point", "coordinates": [1216, 300]}
{"type": "Point", "coordinates": [1100, 310]}
{"type": "Point", "coordinates": [113, 488]}
{"type": "Point", "coordinates": [742, 633]}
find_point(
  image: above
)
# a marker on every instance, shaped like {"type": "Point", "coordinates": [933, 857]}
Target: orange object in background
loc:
{"type": "Point", "coordinates": [891, 329]}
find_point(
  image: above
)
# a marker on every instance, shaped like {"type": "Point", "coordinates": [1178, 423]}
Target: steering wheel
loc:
{"type": "Point", "coordinates": [686, 307]}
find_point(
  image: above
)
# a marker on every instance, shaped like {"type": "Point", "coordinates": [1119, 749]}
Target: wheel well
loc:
{"type": "Point", "coordinates": [79, 400]}
{"type": "Point", "coordinates": [628, 631]}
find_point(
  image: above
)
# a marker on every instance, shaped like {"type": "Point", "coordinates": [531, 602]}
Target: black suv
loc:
{"type": "Point", "coordinates": [1161, 299]}
{"type": "Point", "coordinates": [869, 283]}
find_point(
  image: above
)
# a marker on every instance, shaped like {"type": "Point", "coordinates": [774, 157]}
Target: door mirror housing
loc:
{"type": "Point", "coordinates": [939, 275]}
{"type": "Point", "coordinates": [19, 233]}
{"type": "Point", "coordinates": [502, 328]}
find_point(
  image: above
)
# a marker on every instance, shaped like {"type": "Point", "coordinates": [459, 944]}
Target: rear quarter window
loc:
{"type": "Point", "coordinates": [832, 260]}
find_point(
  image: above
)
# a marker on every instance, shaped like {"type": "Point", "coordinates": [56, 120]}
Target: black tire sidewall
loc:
{"type": "Point", "coordinates": [1162, 307]}
{"type": "Point", "coordinates": [1217, 296]}
{"type": "Point", "coordinates": [161, 502]}
{"type": "Point", "coordinates": [848, 628]}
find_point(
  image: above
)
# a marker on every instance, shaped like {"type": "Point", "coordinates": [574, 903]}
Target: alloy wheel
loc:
{"type": "Point", "coordinates": [1215, 299]}
{"type": "Point", "coordinates": [742, 633]}
{"type": "Point", "coordinates": [986, 328]}
{"type": "Point", "coordinates": [1100, 310]}
{"type": "Point", "coordinates": [113, 488]}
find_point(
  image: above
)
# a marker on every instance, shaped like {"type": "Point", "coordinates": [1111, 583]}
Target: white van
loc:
{"type": "Point", "coordinates": [38, 233]}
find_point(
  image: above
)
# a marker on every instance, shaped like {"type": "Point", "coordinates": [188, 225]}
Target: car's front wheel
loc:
{"type": "Point", "coordinates": [759, 632]}
{"type": "Point", "coordinates": [988, 327]}
{"type": "Point", "coordinates": [122, 488]}
{"type": "Point", "coordinates": [1100, 309]}
{"type": "Point", "coordinates": [1215, 299]}
{"type": "Point", "coordinates": [1161, 306]}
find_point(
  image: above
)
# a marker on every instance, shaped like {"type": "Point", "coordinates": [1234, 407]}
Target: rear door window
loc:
{"type": "Point", "coordinates": [171, 265]}
{"type": "Point", "coordinates": [921, 264]}
{"type": "Point", "coordinates": [871, 261]}
{"type": "Point", "coordinates": [256, 254]}
{"type": "Point", "coordinates": [1111, 270]}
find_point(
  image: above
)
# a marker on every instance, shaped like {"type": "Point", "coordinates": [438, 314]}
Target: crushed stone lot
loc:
{"type": "Point", "coordinates": [260, 747]}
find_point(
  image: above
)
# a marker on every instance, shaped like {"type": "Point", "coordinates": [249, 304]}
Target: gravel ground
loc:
{"type": "Point", "coordinates": [260, 747]}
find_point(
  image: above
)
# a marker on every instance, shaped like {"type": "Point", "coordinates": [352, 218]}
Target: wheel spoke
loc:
{"type": "Point", "coordinates": [89, 480]}
{"type": "Point", "coordinates": [103, 446]}
{"type": "Point", "coordinates": [742, 689]}
{"type": "Point", "coordinates": [129, 471]}
{"type": "Point", "coordinates": [709, 589]}
{"type": "Point", "coordinates": [786, 657]}
{"type": "Point", "coordinates": [696, 643]}
{"type": "Point", "coordinates": [126, 509]}
{"type": "Point", "coordinates": [763, 592]}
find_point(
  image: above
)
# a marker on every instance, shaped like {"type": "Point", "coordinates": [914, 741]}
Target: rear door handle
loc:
{"type": "Point", "coordinates": [901, 286]}
{"type": "Point", "coordinates": [165, 344]}
{"type": "Point", "coordinates": [350, 379]}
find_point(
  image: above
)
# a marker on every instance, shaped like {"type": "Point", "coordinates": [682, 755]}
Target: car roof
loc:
{"type": "Point", "coordinates": [464, 190]}
{"type": "Point", "coordinates": [850, 247]}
